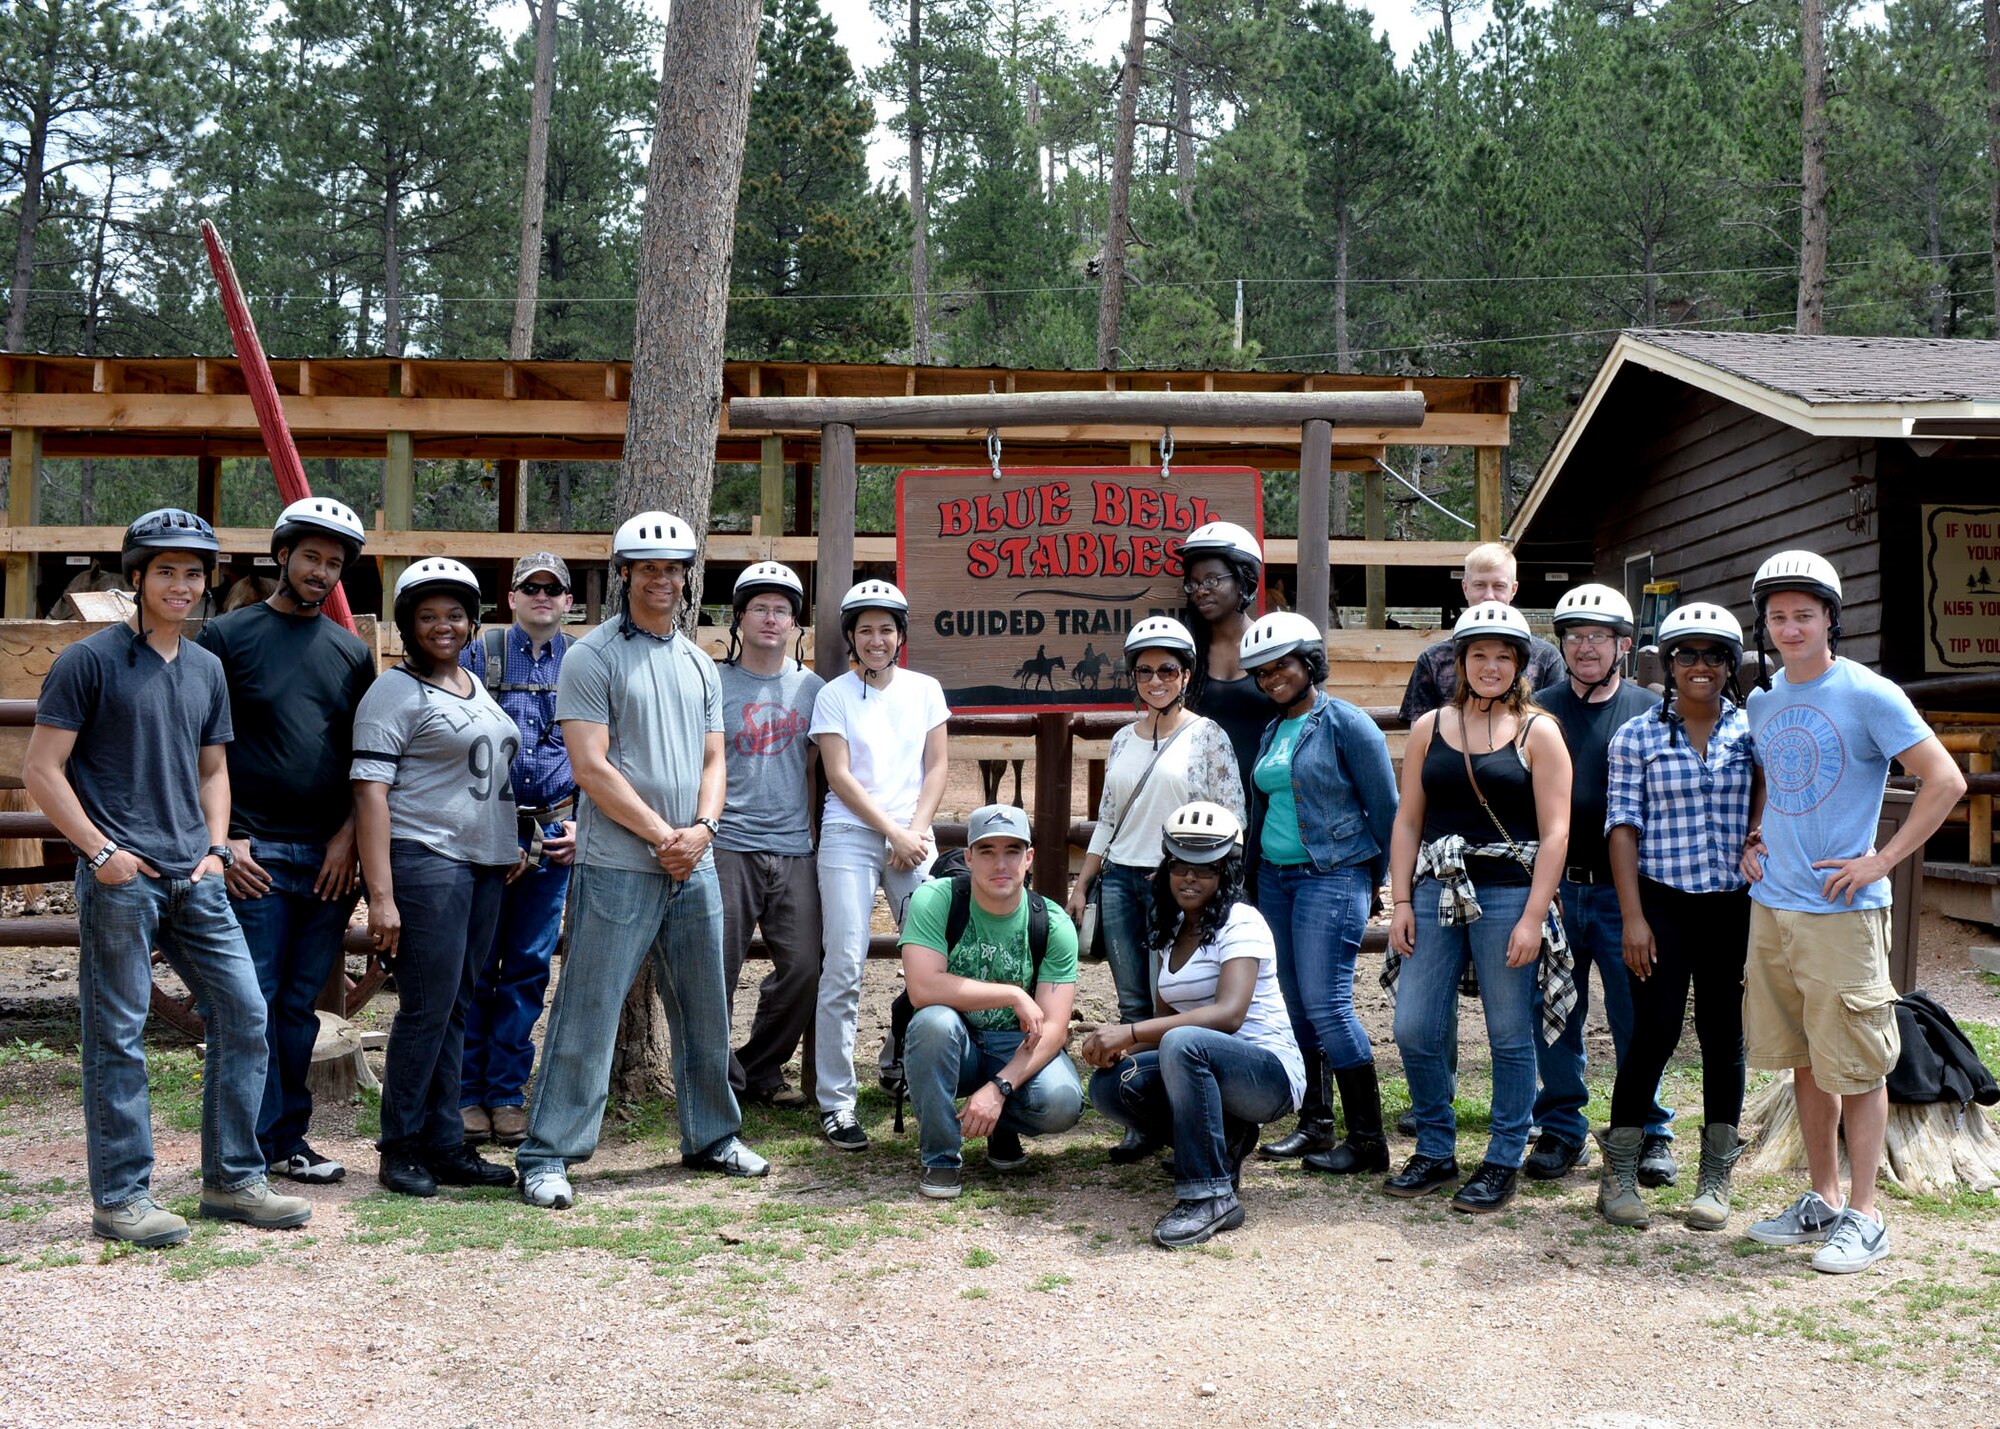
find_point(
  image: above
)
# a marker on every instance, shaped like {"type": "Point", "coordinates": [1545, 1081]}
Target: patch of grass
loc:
{"type": "Point", "coordinates": [173, 1081]}
{"type": "Point", "coordinates": [974, 1292]}
{"type": "Point", "coordinates": [23, 1053]}
{"type": "Point", "coordinates": [978, 1258]}
{"type": "Point", "coordinates": [1053, 1281]}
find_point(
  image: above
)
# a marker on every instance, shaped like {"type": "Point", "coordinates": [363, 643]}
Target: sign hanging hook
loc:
{"type": "Point", "coordinates": [1167, 448]}
{"type": "Point", "coordinates": [993, 449]}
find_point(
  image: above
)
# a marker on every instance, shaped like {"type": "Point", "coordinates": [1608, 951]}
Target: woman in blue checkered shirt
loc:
{"type": "Point", "coordinates": [1677, 815]}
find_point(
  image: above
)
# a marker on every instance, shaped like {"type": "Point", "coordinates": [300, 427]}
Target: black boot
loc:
{"type": "Point", "coordinates": [1316, 1129]}
{"type": "Point", "coordinates": [1241, 1140]}
{"type": "Point", "coordinates": [1366, 1148]}
{"type": "Point", "coordinates": [1136, 1146]}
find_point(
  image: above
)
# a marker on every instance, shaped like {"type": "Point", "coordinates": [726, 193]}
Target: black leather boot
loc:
{"type": "Point", "coordinates": [1316, 1129]}
{"type": "Point", "coordinates": [1366, 1148]}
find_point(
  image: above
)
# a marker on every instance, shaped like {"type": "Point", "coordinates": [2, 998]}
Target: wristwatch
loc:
{"type": "Point", "coordinates": [103, 855]}
{"type": "Point", "coordinates": [1006, 1087]}
{"type": "Point", "coordinates": [223, 852]}
{"type": "Point", "coordinates": [714, 827]}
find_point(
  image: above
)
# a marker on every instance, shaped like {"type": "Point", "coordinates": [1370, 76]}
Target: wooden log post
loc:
{"type": "Point", "coordinates": [507, 478]}
{"type": "Point", "coordinates": [208, 489]}
{"type": "Point", "coordinates": [961, 411]}
{"type": "Point", "coordinates": [1374, 527]}
{"type": "Point", "coordinates": [1312, 598]}
{"type": "Point", "coordinates": [771, 487]}
{"type": "Point", "coordinates": [399, 499]}
{"type": "Point", "coordinates": [835, 574]}
{"type": "Point", "coordinates": [1487, 491]}
{"type": "Point", "coordinates": [1053, 777]}
{"type": "Point", "coordinates": [1979, 814]}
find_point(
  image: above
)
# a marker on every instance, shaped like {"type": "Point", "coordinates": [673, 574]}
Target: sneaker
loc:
{"type": "Point", "coordinates": [309, 1166]}
{"type": "Point", "coordinates": [940, 1183]}
{"type": "Point", "coordinates": [478, 1123]}
{"type": "Point", "coordinates": [255, 1205]}
{"type": "Point", "coordinates": [843, 1129]}
{"type": "Point", "coordinates": [1857, 1241]}
{"type": "Point", "coordinates": [730, 1157]}
{"type": "Point", "coordinates": [1554, 1157]}
{"type": "Point", "coordinates": [138, 1222]}
{"type": "Point", "coordinates": [547, 1187]}
{"type": "Point", "coordinates": [1004, 1151]}
{"type": "Point", "coordinates": [1656, 1160]}
{"type": "Point", "coordinates": [1806, 1220]}
{"type": "Point", "coordinates": [510, 1125]}
{"type": "Point", "coordinates": [1194, 1221]}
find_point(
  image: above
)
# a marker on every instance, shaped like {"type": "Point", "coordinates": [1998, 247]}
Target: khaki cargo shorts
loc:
{"type": "Point", "coordinates": [1816, 992]}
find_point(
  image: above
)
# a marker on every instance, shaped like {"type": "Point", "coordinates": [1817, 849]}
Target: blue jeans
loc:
{"type": "Point", "coordinates": [448, 910]}
{"type": "Point", "coordinates": [513, 979]}
{"type": "Point", "coordinates": [1317, 920]}
{"type": "Point", "coordinates": [294, 937]}
{"type": "Point", "coordinates": [1125, 920]}
{"type": "Point", "coordinates": [945, 1059]}
{"type": "Point", "coordinates": [1201, 1088]}
{"type": "Point", "coordinates": [1596, 935]}
{"type": "Point", "coordinates": [1427, 1021]}
{"type": "Point", "coordinates": [617, 918]}
{"type": "Point", "coordinates": [118, 928]}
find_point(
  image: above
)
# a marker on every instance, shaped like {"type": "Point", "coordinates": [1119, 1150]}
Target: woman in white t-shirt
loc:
{"type": "Point", "coordinates": [881, 737]}
{"type": "Point", "coordinates": [1219, 1059]}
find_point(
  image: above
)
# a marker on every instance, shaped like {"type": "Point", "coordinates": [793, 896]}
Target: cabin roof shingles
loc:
{"type": "Point", "coordinates": [1827, 369]}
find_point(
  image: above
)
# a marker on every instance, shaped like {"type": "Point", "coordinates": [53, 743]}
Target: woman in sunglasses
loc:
{"type": "Point", "coordinates": [1678, 811]}
{"type": "Point", "coordinates": [1214, 1059]}
{"type": "Point", "coordinates": [1163, 759]}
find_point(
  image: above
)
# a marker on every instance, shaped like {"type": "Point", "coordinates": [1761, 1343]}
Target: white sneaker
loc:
{"type": "Point", "coordinates": [1806, 1220]}
{"type": "Point", "coordinates": [1857, 1242]}
{"type": "Point", "coordinates": [549, 1188]}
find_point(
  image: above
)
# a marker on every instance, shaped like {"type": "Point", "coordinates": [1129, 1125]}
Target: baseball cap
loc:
{"type": "Point", "coordinates": [997, 821]}
{"type": "Point", "coordinates": [539, 561]}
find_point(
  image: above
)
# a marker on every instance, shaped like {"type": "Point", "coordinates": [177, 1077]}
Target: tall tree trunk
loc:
{"type": "Point", "coordinates": [1111, 296]}
{"type": "Point", "coordinates": [920, 251]}
{"type": "Point", "coordinates": [1343, 361]}
{"type": "Point", "coordinates": [1184, 138]}
{"type": "Point", "coordinates": [392, 277]}
{"type": "Point", "coordinates": [1940, 287]}
{"type": "Point", "coordinates": [86, 487]}
{"type": "Point", "coordinates": [34, 157]}
{"type": "Point", "coordinates": [685, 241]}
{"type": "Point", "coordinates": [1991, 12]}
{"type": "Point", "coordinates": [1812, 168]}
{"type": "Point", "coordinates": [535, 187]}
{"type": "Point", "coordinates": [1650, 301]}
{"type": "Point", "coordinates": [1034, 117]}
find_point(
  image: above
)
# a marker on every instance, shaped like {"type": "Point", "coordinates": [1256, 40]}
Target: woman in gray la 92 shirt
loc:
{"type": "Point", "coordinates": [434, 811]}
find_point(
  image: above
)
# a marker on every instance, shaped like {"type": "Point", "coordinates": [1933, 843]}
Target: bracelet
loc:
{"type": "Point", "coordinates": [1399, 902]}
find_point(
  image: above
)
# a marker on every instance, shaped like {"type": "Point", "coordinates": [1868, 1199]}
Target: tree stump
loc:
{"type": "Point", "coordinates": [1932, 1150]}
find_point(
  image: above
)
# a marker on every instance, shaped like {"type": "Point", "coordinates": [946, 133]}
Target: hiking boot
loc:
{"type": "Point", "coordinates": [1487, 1189]}
{"type": "Point", "coordinates": [309, 1166]}
{"type": "Point", "coordinates": [547, 1187]}
{"type": "Point", "coordinates": [843, 1129]}
{"type": "Point", "coordinates": [510, 1125]}
{"type": "Point", "coordinates": [1618, 1184]}
{"type": "Point", "coordinates": [1004, 1151]}
{"type": "Point", "coordinates": [940, 1183]}
{"type": "Point", "coordinates": [1192, 1222]}
{"type": "Point", "coordinates": [138, 1222]}
{"type": "Point", "coordinates": [1806, 1220]}
{"type": "Point", "coordinates": [1554, 1157]}
{"type": "Point", "coordinates": [782, 1095]}
{"type": "Point", "coordinates": [460, 1165]}
{"type": "Point", "coordinates": [478, 1123]}
{"type": "Point", "coordinates": [1720, 1147]}
{"type": "Point", "coordinates": [1856, 1242]}
{"type": "Point", "coordinates": [1421, 1175]}
{"type": "Point", "coordinates": [1656, 1160]}
{"type": "Point", "coordinates": [256, 1205]}
{"type": "Point", "coordinates": [402, 1172]}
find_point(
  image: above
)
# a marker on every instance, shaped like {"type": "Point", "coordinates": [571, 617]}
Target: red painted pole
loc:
{"type": "Point", "coordinates": [285, 463]}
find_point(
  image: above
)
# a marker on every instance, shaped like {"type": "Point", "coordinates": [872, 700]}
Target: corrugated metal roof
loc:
{"type": "Point", "coordinates": [1824, 369]}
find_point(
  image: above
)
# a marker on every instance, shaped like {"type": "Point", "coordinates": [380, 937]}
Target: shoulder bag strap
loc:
{"type": "Point", "coordinates": [1144, 775]}
{"type": "Point", "coordinates": [1465, 750]}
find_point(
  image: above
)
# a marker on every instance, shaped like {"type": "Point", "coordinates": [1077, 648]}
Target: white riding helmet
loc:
{"type": "Point", "coordinates": [1281, 633]}
{"type": "Point", "coordinates": [873, 595]}
{"type": "Point", "coordinates": [769, 576]}
{"type": "Point", "coordinates": [1201, 832]}
{"type": "Point", "coordinates": [1222, 538]}
{"type": "Point", "coordinates": [1701, 621]}
{"type": "Point", "coordinates": [654, 536]}
{"type": "Point", "coordinates": [1796, 570]}
{"type": "Point", "coordinates": [1160, 632]}
{"type": "Point", "coordinates": [1495, 620]}
{"type": "Point", "coordinates": [437, 573]}
{"type": "Point", "coordinates": [1594, 605]}
{"type": "Point", "coordinates": [318, 516]}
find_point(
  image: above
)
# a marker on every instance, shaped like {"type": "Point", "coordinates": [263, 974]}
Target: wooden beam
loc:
{"type": "Point", "coordinates": [208, 489]}
{"type": "Point", "coordinates": [507, 475]}
{"type": "Point", "coordinates": [1487, 493]}
{"type": "Point", "coordinates": [1373, 527]}
{"type": "Point", "coordinates": [834, 548]}
{"type": "Point", "coordinates": [802, 499]}
{"type": "Point", "coordinates": [399, 499]}
{"type": "Point", "coordinates": [1053, 775]}
{"type": "Point", "coordinates": [771, 486]}
{"type": "Point", "coordinates": [24, 507]}
{"type": "Point", "coordinates": [1002, 409]}
{"type": "Point", "coordinates": [1314, 575]}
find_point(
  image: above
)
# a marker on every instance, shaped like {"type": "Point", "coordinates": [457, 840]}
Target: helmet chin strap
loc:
{"type": "Point", "coordinates": [285, 583]}
{"type": "Point", "coordinates": [1159, 711]}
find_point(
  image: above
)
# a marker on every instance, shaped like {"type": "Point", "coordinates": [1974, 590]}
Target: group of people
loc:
{"type": "Point", "coordinates": [231, 797]}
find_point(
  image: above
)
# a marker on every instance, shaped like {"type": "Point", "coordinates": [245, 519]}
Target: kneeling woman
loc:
{"type": "Point", "coordinates": [1678, 808]}
{"type": "Point", "coordinates": [1218, 1061]}
{"type": "Point", "coordinates": [434, 814]}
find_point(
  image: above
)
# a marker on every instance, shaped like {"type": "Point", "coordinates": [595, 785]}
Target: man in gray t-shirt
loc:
{"type": "Point", "coordinates": [763, 854]}
{"type": "Point", "coordinates": [641, 711]}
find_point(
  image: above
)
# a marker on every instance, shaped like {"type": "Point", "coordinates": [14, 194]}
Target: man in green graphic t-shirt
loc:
{"type": "Point", "coordinates": [989, 1026]}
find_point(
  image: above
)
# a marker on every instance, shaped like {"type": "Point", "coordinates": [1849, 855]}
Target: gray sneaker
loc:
{"type": "Point", "coordinates": [940, 1183]}
{"type": "Point", "coordinates": [547, 1187]}
{"type": "Point", "coordinates": [1806, 1220]}
{"type": "Point", "coordinates": [1857, 1242]}
{"type": "Point", "coordinates": [255, 1205]}
{"type": "Point", "coordinates": [138, 1222]}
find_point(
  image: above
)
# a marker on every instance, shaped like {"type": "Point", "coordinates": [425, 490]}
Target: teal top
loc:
{"type": "Point", "coordinates": [1281, 841]}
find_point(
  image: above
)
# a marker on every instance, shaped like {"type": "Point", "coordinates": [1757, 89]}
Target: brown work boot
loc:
{"type": "Point", "coordinates": [510, 1125]}
{"type": "Point", "coordinates": [478, 1123]}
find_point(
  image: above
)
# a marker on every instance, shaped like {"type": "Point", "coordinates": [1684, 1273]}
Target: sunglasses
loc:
{"type": "Point", "coordinates": [1178, 869]}
{"type": "Point", "coordinates": [1687, 659]}
{"type": "Point", "coordinates": [540, 588]}
{"type": "Point", "coordinates": [1156, 672]}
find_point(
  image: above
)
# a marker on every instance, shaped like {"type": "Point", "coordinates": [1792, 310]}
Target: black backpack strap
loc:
{"type": "Point", "coordinates": [1038, 938]}
{"type": "Point", "coordinates": [960, 914]}
{"type": "Point", "coordinates": [496, 659]}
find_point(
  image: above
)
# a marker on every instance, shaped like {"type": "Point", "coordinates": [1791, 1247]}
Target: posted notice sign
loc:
{"type": "Point", "coordinates": [1022, 588]}
{"type": "Point", "coordinates": [1961, 588]}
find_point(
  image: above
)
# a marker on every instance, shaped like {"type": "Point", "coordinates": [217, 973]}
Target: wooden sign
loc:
{"type": "Point", "coordinates": [1022, 588]}
{"type": "Point", "coordinates": [1961, 588]}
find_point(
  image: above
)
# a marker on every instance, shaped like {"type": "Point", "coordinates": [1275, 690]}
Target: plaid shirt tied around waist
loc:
{"type": "Point", "coordinates": [1458, 904]}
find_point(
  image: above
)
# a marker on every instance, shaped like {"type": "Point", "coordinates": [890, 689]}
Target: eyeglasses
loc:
{"type": "Point", "coordinates": [540, 588]}
{"type": "Point", "coordinates": [1575, 638]}
{"type": "Point", "coordinates": [1687, 659]}
{"type": "Point", "coordinates": [1158, 672]}
{"type": "Point", "coordinates": [1204, 585]}
{"type": "Point", "coordinates": [1177, 869]}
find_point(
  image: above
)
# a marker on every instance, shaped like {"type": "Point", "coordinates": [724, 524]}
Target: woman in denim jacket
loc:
{"type": "Point", "coordinates": [1324, 804]}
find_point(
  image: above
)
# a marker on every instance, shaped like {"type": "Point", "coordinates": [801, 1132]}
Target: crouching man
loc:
{"type": "Point", "coordinates": [992, 978]}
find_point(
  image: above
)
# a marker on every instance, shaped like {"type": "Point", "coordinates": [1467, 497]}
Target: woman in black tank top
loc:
{"type": "Point", "coordinates": [1484, 821]}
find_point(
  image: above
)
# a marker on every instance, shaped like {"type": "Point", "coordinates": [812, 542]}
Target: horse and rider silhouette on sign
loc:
{"type": "Point", "coordinates": [1088, 674]}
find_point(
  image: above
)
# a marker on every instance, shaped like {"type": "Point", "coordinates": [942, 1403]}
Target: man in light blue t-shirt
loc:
{"type": "Point", "coordinates": [1816, 993]}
